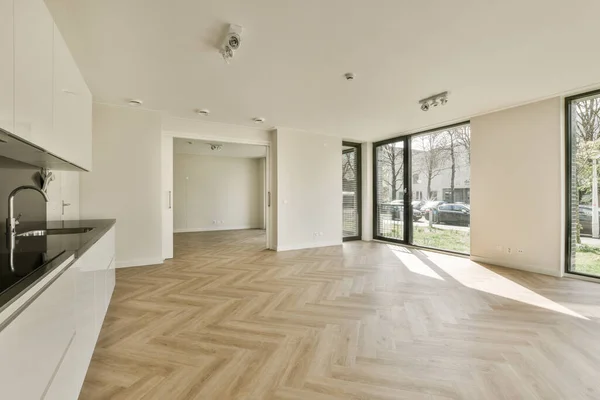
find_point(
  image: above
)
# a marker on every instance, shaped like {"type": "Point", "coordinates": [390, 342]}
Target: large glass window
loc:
{"type": "Point", "coordinates": [440, 162]}
{"type": "Point", "coordinates": [425, 179]}
{"type": "Point", "coordinates": [351, 193]}
{"type": "Point", "coordinates": [583, 157]}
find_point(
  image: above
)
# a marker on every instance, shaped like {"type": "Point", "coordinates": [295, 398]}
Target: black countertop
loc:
{"type": "Point", "coordinates": [34, 257]}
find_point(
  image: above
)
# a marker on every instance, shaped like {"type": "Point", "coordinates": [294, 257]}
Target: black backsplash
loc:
{"type": "Point", "coordinates": [29, 203]}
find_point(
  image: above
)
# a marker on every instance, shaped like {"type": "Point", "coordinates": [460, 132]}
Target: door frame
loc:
{"type": "Point", "coordinates": [569, 147]}
{"type": "Point", "coordinates": [268, 209]}
{"type": "Point", "coordinates": [407, 238]}
{"type": "Point", "coordinates": [358, 148]}
{"type": "Point", "coordinates": [406, 212]}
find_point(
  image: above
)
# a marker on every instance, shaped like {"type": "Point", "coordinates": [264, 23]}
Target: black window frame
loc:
{"type": "Point", "coordinates": [407, 177]}
{"type": "Point", "coordinates": [358, 148]}
{"type": "Point", "coordinates": [569, 182]}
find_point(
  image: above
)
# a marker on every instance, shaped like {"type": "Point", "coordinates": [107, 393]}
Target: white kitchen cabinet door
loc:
{"type": "Point", "coordinates": [6, 70]}
{"type": "Point", "coordinates": [33, 64]}
{"type": "Point", "coordinates": [72, 107]}
{"type": "Point", "coordinates": [110, 282]}
{"type": "Point", "coordinates": [43, 332]}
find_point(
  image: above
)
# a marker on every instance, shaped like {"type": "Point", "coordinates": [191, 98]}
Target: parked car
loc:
{"type": "Point", "coordinates": [454, 214]}
{"type": "Point", "coordinates": [430, 205]}
{"type": "Point", "coordinates": [585, 219]}
{"type": "Point", "coordinates": [417, 204]}
{"type": "Point", "coordinates": [396, 208]}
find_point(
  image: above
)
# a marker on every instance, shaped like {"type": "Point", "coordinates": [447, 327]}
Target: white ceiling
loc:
{"type": "Point", "coordinates": [289, 69]}
{"type": "Point", "coordinates": [202, 148]}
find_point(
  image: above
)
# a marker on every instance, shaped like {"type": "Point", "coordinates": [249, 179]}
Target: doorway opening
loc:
{"type": "Point", "coordinates": [217, 196]}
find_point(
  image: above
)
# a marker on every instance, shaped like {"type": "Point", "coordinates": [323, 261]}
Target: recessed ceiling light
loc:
{"type": "Point", "coordinates": [350, 76]}
{"type": "Point", "coordinates": [258, 120]}
{"type": "Point", "coordinates": [135, 102]}
{"type": "Point", "coordinates": [203, 112]}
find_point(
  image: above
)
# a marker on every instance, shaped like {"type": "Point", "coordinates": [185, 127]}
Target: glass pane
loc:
{"type": "Point", "coordinates": [390, 190]}
{"type": "Point", "coordinates": [441, 193]}
{"type": "Point", "coordinates": [350, 185]}
{"type": "Point", "coordinates": [585, 135]}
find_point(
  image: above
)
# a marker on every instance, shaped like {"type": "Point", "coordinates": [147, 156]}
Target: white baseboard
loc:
{"type": "Point", "coordinates": [308, 245]}
{"type": "Point", "coordinates": [139, 262]}
{"type": "Point", "coordinates": [516, 265]}
{"type": "Point", "coordinates": [215, 228]}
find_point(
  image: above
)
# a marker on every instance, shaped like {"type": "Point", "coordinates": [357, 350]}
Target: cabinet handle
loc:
{"type": "Point", "coordinates": [170, 201]}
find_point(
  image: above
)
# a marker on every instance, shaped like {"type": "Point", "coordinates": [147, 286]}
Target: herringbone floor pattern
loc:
{"type": "Point", "coordinates": [228, 320]}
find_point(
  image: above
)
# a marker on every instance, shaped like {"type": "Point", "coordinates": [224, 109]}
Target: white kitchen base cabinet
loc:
{"type": "Point", "coordinates": [33, 345]}
{"type": "Point", "coordinates": [46, 350]}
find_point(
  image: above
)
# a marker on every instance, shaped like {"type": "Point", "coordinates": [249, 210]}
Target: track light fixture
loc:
{"type": "Point", "coordinates": [434, 101]}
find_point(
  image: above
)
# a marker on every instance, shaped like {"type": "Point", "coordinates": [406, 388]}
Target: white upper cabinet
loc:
{"type": "Point", "coordinates": [43, 98]}
{"type": "Point", "coordinates": [33, 42]}
{"type": "Point", "coordinates": [6, 68]}
{"type": "Point", "coordinates": [72, 107]}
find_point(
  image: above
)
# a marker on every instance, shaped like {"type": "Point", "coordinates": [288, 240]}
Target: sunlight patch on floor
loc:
{"type": "Point", "coordinates": [414, 264]}
{"type": "Point", "coordinates": [475, 276]}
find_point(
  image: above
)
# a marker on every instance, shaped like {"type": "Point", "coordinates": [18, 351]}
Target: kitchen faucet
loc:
{"type": "Point", "coordinates": [11, 221]}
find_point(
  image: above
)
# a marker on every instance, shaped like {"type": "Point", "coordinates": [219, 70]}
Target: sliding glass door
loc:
{"type": "Point", "coordinates": [351, 191]}
{"type": "Point", "coordinates": [583, 159]}
{"type": "Point", "coordinates": [422, 191]}
{"type": "Point", "coordinates": [390, 190]}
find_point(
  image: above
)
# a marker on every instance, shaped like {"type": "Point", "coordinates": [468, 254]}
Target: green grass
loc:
{"type": "Point", "coordinates": [445, 239]}
{"type": "Point", "coordinates": [587, 260]}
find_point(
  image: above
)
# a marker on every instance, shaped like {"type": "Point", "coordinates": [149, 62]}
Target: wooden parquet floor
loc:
{"type": "Point", "coordinates": [227, 320]}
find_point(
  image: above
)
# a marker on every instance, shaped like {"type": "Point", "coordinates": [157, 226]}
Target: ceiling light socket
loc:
{"type": "Point", "coordinates": [258, 120]}
{"type": "Point", "coordinates": [350, 76]}
{"type": "Point", "coordinates": [202, 112]}
{"type": "Point", "coordinates": [231, 42]}
{"type": "Point", "coordinates": [434, 101]}
{"type": "Point", "coordinates": [135, 102]}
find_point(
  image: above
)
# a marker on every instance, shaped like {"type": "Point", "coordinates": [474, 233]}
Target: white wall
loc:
{"type": "Point", "coordinates": [212, 188]}
{"type": "Point", "coordinates": [126, 181]}
{"type": "Point", "coordinates": [517, 191]}
{"type": "Point", "coordinates": [309, 189]}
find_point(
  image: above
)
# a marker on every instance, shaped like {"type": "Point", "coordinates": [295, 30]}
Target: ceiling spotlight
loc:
{"type": "Point", "coordinates": [135, 103]}
{"type": "Point", "coordinates": [258, 120]}
{"type": "Point", "coordinates": [232, 42]}
{"type": "Point", "coordinates": [203, 113]}
{"type": "Point", "coordinates": [434, 101]}
{"type": "Point", "coordinates": [349, 76]}
{"type": "Point", "coordinates": [216, 147]}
